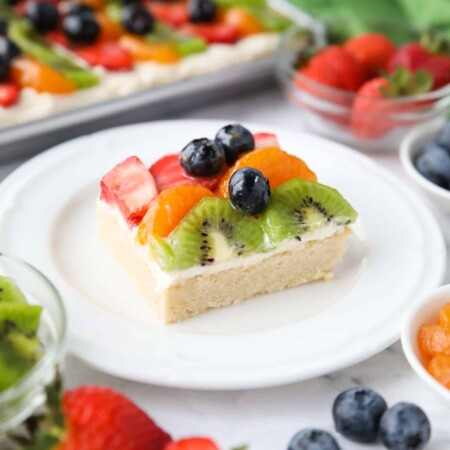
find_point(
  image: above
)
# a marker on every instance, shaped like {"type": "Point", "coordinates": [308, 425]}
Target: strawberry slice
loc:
{"type": "Point", "coordinates": [173, 14]}
{"type": "Point", "coordinates": [168, 172]}
{"type": "Point", "coordinates": [108, 54]}
{"type": "Point", "coordinates": [218, 33]}
{"type": "Point", "coordinates": [263, 140]}
{"type": "Point", "coordinates": [9, 94]}
{"type": "Point", "coordinates": [130, 187]}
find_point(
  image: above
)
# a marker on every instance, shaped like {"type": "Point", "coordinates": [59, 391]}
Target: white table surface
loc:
{"type": "Point", "coordinates": [267, 418]}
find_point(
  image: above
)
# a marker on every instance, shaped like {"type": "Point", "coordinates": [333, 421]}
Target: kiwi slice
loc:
{"type": "Point", "coordinates": [212, 232]}
{"type": "Point", "coordinates": [9, 292]}
{"type": "Point", "coordinates": [301, 206]}
{"type": "Point", "coordinates": [19, 345]}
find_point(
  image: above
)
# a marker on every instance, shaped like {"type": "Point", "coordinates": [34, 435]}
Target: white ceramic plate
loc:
{"type": "Point", "coordinates": [47, 217]}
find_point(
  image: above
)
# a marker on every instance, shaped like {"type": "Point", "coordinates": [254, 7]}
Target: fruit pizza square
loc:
{"type": "Point", "coordinates": [224, 220]}
{"type": "Point", "coordinates": [57, 55]}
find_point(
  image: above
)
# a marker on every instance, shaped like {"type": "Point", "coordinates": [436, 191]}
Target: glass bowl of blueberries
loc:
{"type": "Point", "coordinates": [425, 156]}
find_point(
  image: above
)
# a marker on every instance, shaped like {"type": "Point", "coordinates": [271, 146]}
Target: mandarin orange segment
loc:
{"type": "Point", "coordinates": [433, 339]}
{"type": "Point", "coordinates": [243, 21]}
{"type": "Point", "coordinates": [145, 51]}
{"type": "Point", "coordinates": [277, 165]}
{"type": "Point", "coordinates": [109, 29]}
{"type": "Point", "coordinates": [444, 316]}
{"type": "Point", "coordinates": [27, 72]}
{"type": "Point", "coordinates": [439, 368]}
{"type": "Point", "coordinates": [168, 209]}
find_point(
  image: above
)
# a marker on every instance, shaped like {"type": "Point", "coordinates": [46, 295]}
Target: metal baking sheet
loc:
{"type": "Point", "coordinates": [32, 137]}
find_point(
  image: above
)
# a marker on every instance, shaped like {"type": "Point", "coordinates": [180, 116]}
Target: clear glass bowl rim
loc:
{"type": "Point", "coordinates": [286, 69]}
{"type": "Point", "coordinates": [52, 352]}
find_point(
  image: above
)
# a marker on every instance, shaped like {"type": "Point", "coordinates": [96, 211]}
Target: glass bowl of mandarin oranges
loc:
{"type": "Point", "coordinates": [365, 87]}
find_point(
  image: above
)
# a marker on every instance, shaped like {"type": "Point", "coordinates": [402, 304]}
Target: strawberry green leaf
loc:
{"type": "Point", "coordinates": [404, 83]}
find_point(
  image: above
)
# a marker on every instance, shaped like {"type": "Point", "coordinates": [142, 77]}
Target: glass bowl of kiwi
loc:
{"type": "Point", "coordinates": [331, 71]}
{"type": "Point", "coordinates": [32, 336]}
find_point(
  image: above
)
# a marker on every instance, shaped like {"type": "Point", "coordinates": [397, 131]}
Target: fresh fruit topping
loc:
{"type": "Point", "coordinates": [243, 20]}
{"type": "Point", "coordinates": [405, 427]}
{"type": "Point", "coordinates": [313, 439]}
{"type": "Point", "coordinates": [249, 191]}
{"type": "Point", "coordinates": [144, 51]}
{"type": "Point", "coordinates": [136, 19]}
{"type": "Point", "coordinates": [168, 209]}
{"type": "Point", "coordinates": [109, 30]}
{"type": "Point", "coordinates": [433, 162]}
{"type": "Point", "coordinates": [168, 172]}
{"type": "Point", "coordinates": [212, 232]}
{"type": "Point", "coordinates": [434, 339]}
{"type": "Point", "coordinates": [336, 68]}
{"type": "Point", "coordinates": [44, 16]}
{"type": "Point", "coordinates": [202, 10]}
{"type": "Point", "coordinates": [410, 56]}
{"type": "Point", "coordinates": [372, 51]}
{"type": "Point", "coordinates": [109, 54]}
{"type": "Point", "coordinates": [98, 418]}
{"type": "Point", "coordinates": [439, 368]}
{"type": "Point", "coordinates": [215, 33]}
{"type": "Point", "coordinates": [130, 187]}
{"type": "Point", "coordinates": [173, 14]}
{"type": "Point", "coordinates": [26, 72]}
{"type": "Point", "coordinates": [357, 413]}
{"type": "Point", "coordinates": [19, 323]}
{"type": "Point", "coordinates": [374, 113]}
{"type": "Point", "coordinates": [8, 50]}
{"type": "Point", "coordinates": [300, 206]}
{"type": "Point", "coordinates": [80, 8]}
{"type": "Point", "coordinates": [193, 443]}
{"type": "Point", "coordinates": [275, 164]}
{"type": "Point", "coordinates": [202, 158]}
{"type": "Point", "coordinates": [263, 140]}
{"type": "Point", "coordinates": [81, 28]}
{"type": "Point", "coordinates": [234, 140]}
{"type": "Point", "coordinates": [9, 94]}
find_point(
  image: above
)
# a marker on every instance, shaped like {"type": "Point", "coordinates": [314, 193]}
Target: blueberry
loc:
{"type": "Point", "coordinates": [3, 27]}
{"type": "Point", "coordinates": [234, 140]}
{"type": "Point", "coordinates": [202, 10]}
{"type": "Point", "coordinates": [80, 8]}
{"type": "Point", "coordinates": [405, 427]}
{"type": "Point", "coordinates": [311, 439]}
{"type": "Point", "coordinates": [443, 138]}
{"type": "Point", "coordinates": [8, 49]}
{"type": "Point", "coordinates": [136, 19]}
{"type": "Point", "coordinates": [249, 191]}
{"type": "Point", "coordinates": [202, 158]}
{"type": "Point", "coordinates": [357, 413]}
{"type": "Point", "coordinates": [44, 16]}
{"type": "Point", "coordinates": [4, 69]}
{"type": "Point", "coordinates": [81, 28]}
{"type": "Point", "coordinates": [433, 163]}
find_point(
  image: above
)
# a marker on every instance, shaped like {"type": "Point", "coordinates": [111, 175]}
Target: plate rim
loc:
{"type": "Point", "coordinates": [53, 155]}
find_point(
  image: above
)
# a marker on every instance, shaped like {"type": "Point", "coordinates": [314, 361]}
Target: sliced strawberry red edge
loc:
{"type": "Point", "coordinates": [107, 54]}
{"type": "Point", "coordinates": [131, 186]}
{"type": "Point", "coordinates": [9, 94]}
{"type": "Point", "coordinates": [215, 33]}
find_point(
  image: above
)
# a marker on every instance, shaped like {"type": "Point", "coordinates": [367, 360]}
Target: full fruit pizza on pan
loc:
{"type": "Point", "coordinates": [57, 55]}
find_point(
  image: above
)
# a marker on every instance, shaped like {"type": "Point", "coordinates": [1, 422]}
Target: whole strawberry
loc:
{"type": "Point", "coordinates": [377, 109]}
{"type": "Point", "coordinates": [98, 418]}
{"type": "Point", "coordinates": [372, 51]}
{"type": "Point", "coordinates": [336, 68]}
{"type": "Point", "coordinates": [410, 56]}
{"type": "Point", "coordinates": [89, 418]}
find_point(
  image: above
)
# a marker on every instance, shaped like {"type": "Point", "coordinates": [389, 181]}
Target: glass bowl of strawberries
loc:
{"type": "Point", "coordinates": [366, 89]}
